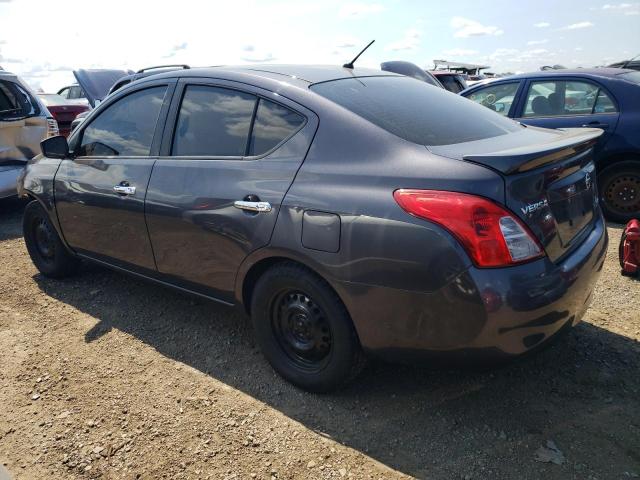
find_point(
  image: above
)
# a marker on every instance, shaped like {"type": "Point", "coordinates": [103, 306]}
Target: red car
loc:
{"type": "Point", "coordinates": [63, 110]}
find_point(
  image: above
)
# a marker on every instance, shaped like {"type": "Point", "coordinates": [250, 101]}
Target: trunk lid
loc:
{"type": "Point", "coordinates": [549, 177]}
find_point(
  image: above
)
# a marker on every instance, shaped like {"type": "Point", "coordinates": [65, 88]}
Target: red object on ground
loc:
{"type": "Point", "coordinates": [630, 248]}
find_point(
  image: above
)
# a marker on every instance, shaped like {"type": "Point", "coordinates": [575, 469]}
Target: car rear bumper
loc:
{"type": "Point", "coordinates": [482, 312]}
{"type": "Point", "coordinates": [9, 180]}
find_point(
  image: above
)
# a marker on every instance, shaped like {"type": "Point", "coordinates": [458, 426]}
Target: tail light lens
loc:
{"type": "Point", "coordinates": [52, 127]}
{"type": "Point", "coordinates": [491, 235]}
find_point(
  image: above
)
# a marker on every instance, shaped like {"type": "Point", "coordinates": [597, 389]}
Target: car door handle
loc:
{"type": "Point", "coordinates": [124, 189]}
{"type": "Point", "coordinates": [596, 125]}
{"type": "Point", "coordinates": [252, 206]}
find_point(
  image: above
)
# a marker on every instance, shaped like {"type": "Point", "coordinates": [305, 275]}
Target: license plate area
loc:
{"type": "Point", "coordinates": [573, 201]}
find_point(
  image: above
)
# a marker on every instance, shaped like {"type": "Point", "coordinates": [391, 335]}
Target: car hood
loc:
{"type": "Point", "coordinates": [97, 82]}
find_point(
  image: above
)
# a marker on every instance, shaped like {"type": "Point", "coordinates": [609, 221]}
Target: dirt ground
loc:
{"type": "Point", "coordinates": [106, 376]}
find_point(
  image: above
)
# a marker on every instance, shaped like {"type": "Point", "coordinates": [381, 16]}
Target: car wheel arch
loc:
{"type": "Point", "coordinates": [256, 265]}
{"type": "Point", "coordinates": [612, 159]}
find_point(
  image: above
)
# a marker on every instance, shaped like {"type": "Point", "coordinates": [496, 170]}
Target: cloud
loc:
{"type": "Point", "coordinates": [619, 6]}
{"type": "Point", "coordinates": [175, 49]}
{"type": "Point", "coordinates": [537, 42]}
{"type": "Point", "coordinates": [542, 24]}
{"type": "Point", "coordinates": [472, 28]}
{"type": "Point", "coordinates": [459, 52]}
{"type": "Point", "coordinates": [348, 42]}
{"type": "Point", "coordinates": [579, 25]}
{"type": "Point", "coordinates": [258, 57]}
{"type": "Point", "coordinates": [410, 41]}
{"type": "Point", "coordinates": [351, 10]}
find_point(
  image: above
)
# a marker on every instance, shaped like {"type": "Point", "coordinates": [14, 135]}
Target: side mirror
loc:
{"type": "Point", "coordinates": [55, 147]}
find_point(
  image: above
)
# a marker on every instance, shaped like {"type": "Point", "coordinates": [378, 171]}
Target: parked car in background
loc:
{"type": "Point", "coordinates": [452, 81]}
{"type": "Point", "coordinates": [95, 81]}
{"type": "Point", "coordinates": [632, 63]}
{"type": "Point", "coordinates": [73, 93]}
{"type": "Point", "coordinates": [64, 111]}
{"type": "Point", "coordinates": [605, 98]}
{"type": "Point", "coordinates": [24, 123]}
{"type": "Point", "coordinates": [435, 237]}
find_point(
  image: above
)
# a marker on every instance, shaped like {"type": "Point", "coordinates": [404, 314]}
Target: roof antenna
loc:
{"type": "Point", "coordinates": [350, 64]}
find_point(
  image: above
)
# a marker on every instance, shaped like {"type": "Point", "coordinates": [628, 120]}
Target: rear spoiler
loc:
{"type": "Point", "coordinates": [521, 159]}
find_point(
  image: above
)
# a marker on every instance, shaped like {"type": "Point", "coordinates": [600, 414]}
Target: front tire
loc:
{"type": "Point", "coordinates": [47, 252]}
{"type": "Point", "coordinates": [304, 329]}
{"type": "Point", "coordinates": [620, 191]}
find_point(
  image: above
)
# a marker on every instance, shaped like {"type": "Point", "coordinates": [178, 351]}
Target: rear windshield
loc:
{"type": "Point", "coordinates": [416, 111]}
{"type": "Point", "coordinates": [631, 77]}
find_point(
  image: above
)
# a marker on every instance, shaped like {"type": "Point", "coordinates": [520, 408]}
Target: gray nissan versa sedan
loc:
{"type": "Point", "coordinates": [352, 212]}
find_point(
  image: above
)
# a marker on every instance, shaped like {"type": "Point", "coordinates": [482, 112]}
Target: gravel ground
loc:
{"type": "Point", "coordinates": [106, 376]}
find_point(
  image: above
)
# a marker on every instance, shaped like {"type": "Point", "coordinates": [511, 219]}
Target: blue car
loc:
{"type": "Point", "coordinates": [606, 98]}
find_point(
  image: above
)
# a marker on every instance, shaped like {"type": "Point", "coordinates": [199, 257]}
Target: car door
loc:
{"type": "Point", "coordinates": [568, 102]}
{"type": "Point", "coordinates": [100, 192]}
{"type": "Point", "coordinates": [229, 154]}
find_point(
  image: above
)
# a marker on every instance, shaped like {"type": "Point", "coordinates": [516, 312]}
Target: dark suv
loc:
{"type": "Point", "coordinates": [350, 212]}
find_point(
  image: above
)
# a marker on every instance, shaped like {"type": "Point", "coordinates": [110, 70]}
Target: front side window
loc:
{"type": "Point", "coordinates": [561, 98]}
{"type": "Point", "coordinates": [16, 102]}
{"type": "Point", "coordinates": [415, 111]}
{"type": "Point", "coordinates": [273, 124]}
{"type": "Point", "coordinates": [213, 121]}
{"type": "Point", "coordinates": [126, 127]}
{"type": "Point", "coordinates": [496, 97]}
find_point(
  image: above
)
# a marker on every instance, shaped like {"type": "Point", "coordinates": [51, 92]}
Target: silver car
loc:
{"type": "Point", "coordinates": [24, 123]}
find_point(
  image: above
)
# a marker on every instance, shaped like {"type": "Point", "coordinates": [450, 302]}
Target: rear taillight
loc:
{"type": "Point", "coordinates": [52, 127]}
{"type": "Point", "coordinates": [491, 235]}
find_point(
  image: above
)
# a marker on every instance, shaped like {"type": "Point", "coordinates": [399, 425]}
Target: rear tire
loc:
{"type": "Point", "coordinates": [304, 329]}
{"type": "Point", "coordinates": [47, 252]}
{"type": "Point", "coordinates": [620, 191]}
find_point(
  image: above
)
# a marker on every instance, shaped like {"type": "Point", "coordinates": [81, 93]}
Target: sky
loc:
{"type": "Point", "coordinates": [43, 41]}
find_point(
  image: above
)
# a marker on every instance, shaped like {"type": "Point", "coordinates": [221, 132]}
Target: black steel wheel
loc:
{"type": "Point", "coordinates": [304, 329]}
{"type": "Point", "coordinates": [620, 191]}
{"type": "Point", "coordinates": [47, 252]}
{"type": "Point", "coordinates": [301, 329]}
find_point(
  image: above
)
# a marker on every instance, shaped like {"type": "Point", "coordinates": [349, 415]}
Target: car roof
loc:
{"type": "Point", "coordinates": [602, 73]}
{"type": "Point", "coordinates": [308, 74]}
{"type": "Point", "coordinates": [586, 72]}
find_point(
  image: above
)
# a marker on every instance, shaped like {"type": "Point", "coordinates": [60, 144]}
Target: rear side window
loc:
{"type": "Point", "coordinates": [604, 104]}
{"type": "Point", "coordinates": [16, 102]}
{"type": "Point", "coordinates": [126, 127]}
{"type": "Point", "coordinates": [631, 77]}
{"type": "Point", "coordinates": [273, 124]}
{"type": "Point", "coordinates": [213, 121]}
{"type": "Point", "coordinates": [415, 111]}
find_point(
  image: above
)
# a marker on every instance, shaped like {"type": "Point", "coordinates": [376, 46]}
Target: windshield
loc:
{"type": "Point", "coordinates": [416, 111]}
